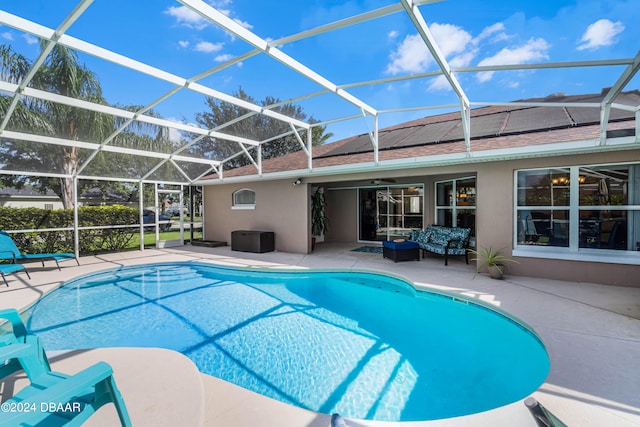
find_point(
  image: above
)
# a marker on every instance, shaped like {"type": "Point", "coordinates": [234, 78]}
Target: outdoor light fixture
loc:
{"type": "Point", "coordinates": [297, 182]}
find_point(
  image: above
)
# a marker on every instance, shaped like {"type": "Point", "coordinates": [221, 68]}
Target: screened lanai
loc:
{"type": "Point", "coordinates": [188, 89]}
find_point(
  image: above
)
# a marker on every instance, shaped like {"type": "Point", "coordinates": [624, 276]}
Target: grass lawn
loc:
{"type": "Point", "coordinates": [150, 237]}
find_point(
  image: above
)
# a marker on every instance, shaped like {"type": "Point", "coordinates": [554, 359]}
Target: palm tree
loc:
{"type": "Point", "coordinates": [62, 73]}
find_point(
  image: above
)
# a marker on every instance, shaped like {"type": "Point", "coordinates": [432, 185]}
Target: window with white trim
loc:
{"type": "Point", "coordinates": [587, 209]}
{"type": "Point", "coordinates": [456, 204]}
{"type": "Point", "coordinates": [244, 198]}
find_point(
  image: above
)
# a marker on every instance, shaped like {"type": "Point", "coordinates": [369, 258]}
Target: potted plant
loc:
{"type": "Point", "coordinates": [319, 220]}
{"type": "Point", "coordinates": [493, 260]}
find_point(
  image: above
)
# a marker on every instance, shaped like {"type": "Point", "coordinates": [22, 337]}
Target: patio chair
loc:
{"type": "Point", "coordinates": [17, 335]}
{"type": "Point", "coordinates": [10, 269]}
{"type": "Point", "coordinates": [83, 393]}
{"type": "Point", "coordinates": [56, 399]}
{"type": "Point", "coordinates": [10, 252]}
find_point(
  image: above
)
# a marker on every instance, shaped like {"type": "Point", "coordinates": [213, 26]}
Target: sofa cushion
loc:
{"type": "Point", "coordinates": [459, 234]}
{"type": "Point", "coordinates": [433, 247]}
{"type": "Point", "coordinates": [439, 235]}
{"type": "Point", "coordinates": [420, 236]}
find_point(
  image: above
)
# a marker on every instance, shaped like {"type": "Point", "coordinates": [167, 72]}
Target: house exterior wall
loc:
{"type": "Point", "coordinates": [283, 208]}
{"type": "Point", "coordinates": [342, 211]}
{"type": "Point", "coordinates": [280, 207]}
{"type": "Point", "coordinates": [495, 219]}
{"type": "Point", "coordinates": [495, 213]}
{"type": "Point", "coordinates": [22, 203]}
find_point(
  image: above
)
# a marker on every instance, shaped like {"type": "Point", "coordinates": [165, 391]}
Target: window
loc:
{"type": "Point", "coordinates": [543, 207]}
{"type": "Point", "coordinates": [244, 199]}
{"type": "Point", "coordinates": [587, 209]}
{"type": "Point", "coordinates": [456, 204]}
{"type": "Point", "coordinates": [608, 218]}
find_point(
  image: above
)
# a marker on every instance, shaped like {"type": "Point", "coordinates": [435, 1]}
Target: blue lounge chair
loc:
{"type": "Point", "coordinates": [53, 398]}
{"type": "Point", "coordinates": [10, 252]}
{"type": "Point", "coordinates": [10, 269]}
{"type": "Point", "coordinates": [18, 331]}
{"type": "Point", "coordinates": [56, 399]}
{"type": "Point", "coordinates": [17, 335]}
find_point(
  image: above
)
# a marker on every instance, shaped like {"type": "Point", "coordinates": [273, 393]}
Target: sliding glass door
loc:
{"type": "Point", "coordinates": [390, 212]}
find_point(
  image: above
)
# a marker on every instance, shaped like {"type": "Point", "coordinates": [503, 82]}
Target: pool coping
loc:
{"type": "Point", "coordinates": [559, 311]}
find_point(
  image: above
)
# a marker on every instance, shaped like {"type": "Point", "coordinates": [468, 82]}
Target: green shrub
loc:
{"type": "Point", "coordinates": [91, 241]}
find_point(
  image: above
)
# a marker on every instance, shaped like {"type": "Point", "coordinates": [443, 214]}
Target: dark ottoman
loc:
{"type": "Point", "coordinates": [400, 251]}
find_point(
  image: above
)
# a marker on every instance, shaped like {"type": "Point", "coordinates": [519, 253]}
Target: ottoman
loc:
{"type": "Point", "coordinates": [400, 251]}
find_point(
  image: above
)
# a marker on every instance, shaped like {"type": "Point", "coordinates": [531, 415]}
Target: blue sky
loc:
{"type": "Point", "coordinates": [470, 32]}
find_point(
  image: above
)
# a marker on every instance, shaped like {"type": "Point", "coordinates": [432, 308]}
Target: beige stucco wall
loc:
{"type": "Point", "coordinates": [494, 221]}
{"type": "Point", "coordinates": [342, 211]}
{"type": "Point", "coordinates": [283, 208]}
{"type": "Point", "coordinates": [280, 207]}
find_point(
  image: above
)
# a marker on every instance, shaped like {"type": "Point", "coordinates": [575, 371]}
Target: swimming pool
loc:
{"type": "Point", "coordinates": [366, 345]}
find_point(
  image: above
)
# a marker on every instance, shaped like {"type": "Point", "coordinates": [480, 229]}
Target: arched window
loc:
{"type": "Point", "coordinates": [244, 198]}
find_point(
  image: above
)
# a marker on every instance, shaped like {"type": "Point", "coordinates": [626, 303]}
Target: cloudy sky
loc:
{"type": "Point", "coordinates": [169, 36]}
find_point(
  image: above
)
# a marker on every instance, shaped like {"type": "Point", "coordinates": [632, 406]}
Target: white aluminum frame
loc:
{"type": "Point", "coordinates": [271, 49]}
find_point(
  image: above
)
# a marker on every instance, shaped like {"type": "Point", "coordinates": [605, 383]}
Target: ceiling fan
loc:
{"type": "Point", "coordinates": [377, 181]}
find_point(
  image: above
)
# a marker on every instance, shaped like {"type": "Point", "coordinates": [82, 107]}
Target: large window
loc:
{"type": "Point", "coordinates": [543, 207]}
{"type": "Point", "coordinates": [456, 204]}
{"type": "Point", "coordinates": [579, 208]}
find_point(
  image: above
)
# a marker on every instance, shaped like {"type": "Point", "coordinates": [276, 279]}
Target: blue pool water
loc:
{"type": "Point", "coordinates": [365, 345]}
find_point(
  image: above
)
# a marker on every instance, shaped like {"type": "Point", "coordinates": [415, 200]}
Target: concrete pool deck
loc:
{"type": "Point", "coordinates": [592, 333]}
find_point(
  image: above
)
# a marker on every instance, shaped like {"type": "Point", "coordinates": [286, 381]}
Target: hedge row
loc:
{"type": "Point", "coordinates": [91, 241]}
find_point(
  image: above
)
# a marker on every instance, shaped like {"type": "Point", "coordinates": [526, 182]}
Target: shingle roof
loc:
{"type": "Point", "coordinates": [26, 191]}
{"type": "Point", "coordinates": [492, 127]}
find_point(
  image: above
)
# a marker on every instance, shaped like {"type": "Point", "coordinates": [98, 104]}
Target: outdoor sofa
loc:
{"type": "Point", "coordinates": [445, 241]}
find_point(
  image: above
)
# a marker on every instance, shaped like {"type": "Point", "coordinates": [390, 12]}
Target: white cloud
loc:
{"type": "Point", "coordinates": [175, 135]}
{"type": "Point", "coordinates": [186, 17]}
{"type": "Point", "coordinates": [208, 47]}
{"type": "Point", "coordinates": [463, 59]}
{"type": "Point", "coordinates": [7, 36]}
{"type": "Point", "coordinates": [223, 57]}
{"type": "Point", "coordinates": [450, 38]}
{"type": "Point", "coordinates": [393, 34]}
{"type": "Point", "coordinates": [190, 19]}
{"type": "Point", "coordinates": [413, 56]}
{"type": "Point", "coordinates": [245, 24]}
{"type": "Point", "coordinates": [534, 49]}
{"type": "Point", "coordinates": [439, 83]}
{"type": "Point", "coordinates": [460, 49]}
{"type": "Point", "coordinates": [30, 39]}
{"type": "Point", "coordinates": [183, 43]}
{"type": "Point", "coordinates": [491, 30]}
{"type": "Point", "coordinates": [600, 33]}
